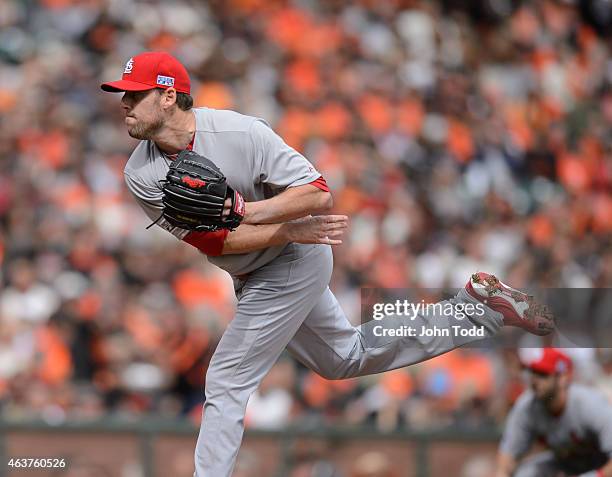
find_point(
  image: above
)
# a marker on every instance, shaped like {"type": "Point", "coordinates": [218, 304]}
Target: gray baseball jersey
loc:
{"type": "Point", "coordinates": [581, 437]}
{"type": "Point", "coordinates": [255, 160]}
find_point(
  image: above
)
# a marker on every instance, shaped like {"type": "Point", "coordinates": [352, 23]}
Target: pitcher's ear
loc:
{"type": "Point", "coordinates": [168, 97]}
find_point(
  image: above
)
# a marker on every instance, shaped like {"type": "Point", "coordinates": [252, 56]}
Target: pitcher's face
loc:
{"type": "Point", "coordinates": [143, 113]}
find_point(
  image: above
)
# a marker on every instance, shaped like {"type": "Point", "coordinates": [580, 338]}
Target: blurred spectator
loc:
{"type": "Point", "coordinates": [372, 464]}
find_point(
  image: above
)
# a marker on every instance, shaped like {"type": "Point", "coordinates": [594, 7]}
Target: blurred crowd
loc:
{"type": "Point", "coordinates": [457, 138]}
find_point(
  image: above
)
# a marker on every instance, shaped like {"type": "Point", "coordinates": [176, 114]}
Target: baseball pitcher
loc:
{"type": "Point", "coordinates": [229, 185]}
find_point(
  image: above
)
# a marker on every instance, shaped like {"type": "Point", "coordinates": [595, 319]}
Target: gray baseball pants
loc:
{"type": "Point", "coordinates": [287, 304]}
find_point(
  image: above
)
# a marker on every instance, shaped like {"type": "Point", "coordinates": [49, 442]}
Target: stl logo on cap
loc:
{"type": "Point", "coordinates": [128, 66]}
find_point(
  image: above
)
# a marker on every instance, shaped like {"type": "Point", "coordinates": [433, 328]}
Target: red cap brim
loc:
{"type": "Point", "coordinates": [125, 85]}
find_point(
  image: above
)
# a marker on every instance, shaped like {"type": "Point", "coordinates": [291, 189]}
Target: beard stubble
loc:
{"type": "Point", "coordinates": [146, 131]}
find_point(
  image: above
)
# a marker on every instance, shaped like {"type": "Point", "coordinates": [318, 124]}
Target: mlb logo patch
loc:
{"type": "Point", "coordinates": [128, 66]}
{"type": "Point", "coordinates": [165, 80]}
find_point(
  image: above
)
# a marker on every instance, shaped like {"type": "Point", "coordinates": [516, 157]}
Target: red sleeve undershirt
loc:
{"type": "Point", "coordinates": [211, 243]}
{"type": "Point", "coordinates": [321, 184]}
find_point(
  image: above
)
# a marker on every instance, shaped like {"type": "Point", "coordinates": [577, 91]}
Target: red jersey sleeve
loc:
{"type": "Point", "coordinates": [210, 243]}
{"type": "Point", "coordinates": [321, 184]}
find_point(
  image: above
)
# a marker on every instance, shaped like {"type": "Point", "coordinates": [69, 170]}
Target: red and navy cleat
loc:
{"type": "Point", "coordinates": [517, 308]}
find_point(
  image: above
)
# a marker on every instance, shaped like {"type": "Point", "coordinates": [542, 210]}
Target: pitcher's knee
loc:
{"type": "Point", "coordinates": [329, 375]}
{"type": "Point", "coordinates": [228, 389]}
{"type": "Point", "coordinates": [215, 388]}
{"type": "Point", "coordinates": [348, 369]}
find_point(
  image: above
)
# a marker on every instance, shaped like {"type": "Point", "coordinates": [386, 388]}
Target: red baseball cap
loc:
{"type": "Point", "coordinates": [547, 361]}
{"type": "Point", "coordinates": [155, 69]}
